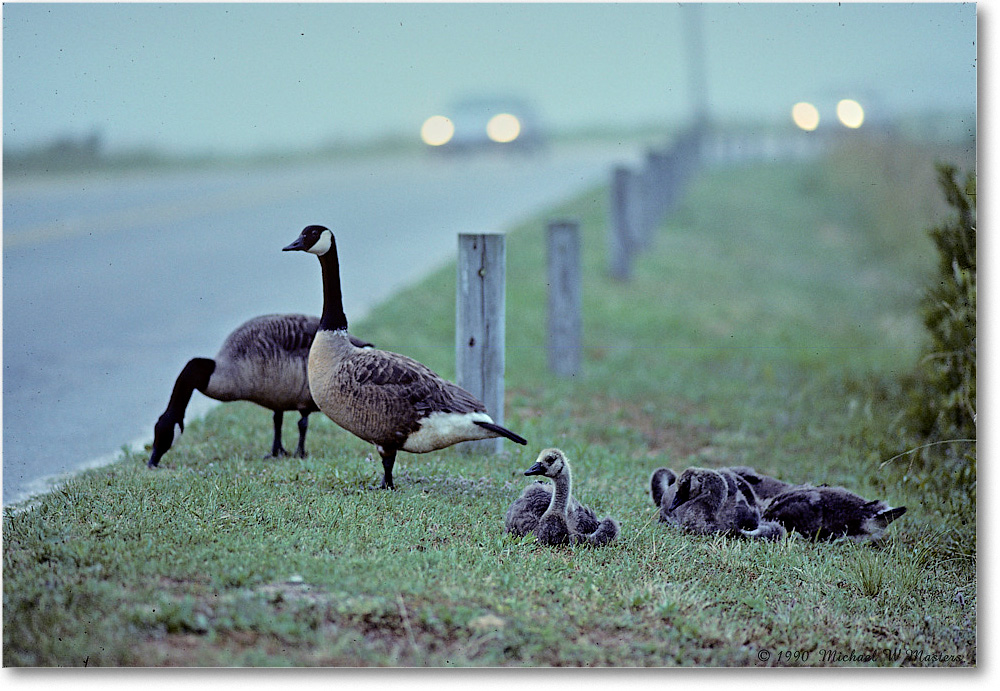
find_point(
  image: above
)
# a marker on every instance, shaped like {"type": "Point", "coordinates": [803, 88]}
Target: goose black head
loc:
{"type": "Point", "coordinates": [163, 437]}
{"type": "Point", "coordinates": [315, 239]}
{"type": "Point", "coordinates": [549, 463]}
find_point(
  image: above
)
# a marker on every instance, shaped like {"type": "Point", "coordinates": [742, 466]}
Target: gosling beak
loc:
{"type": "Point", "coordinates": [536, 469]}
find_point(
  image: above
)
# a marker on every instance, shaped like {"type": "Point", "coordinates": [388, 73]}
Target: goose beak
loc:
{"type": "Point", "coordinates": [536, 469]}
{"type": "Point", "coordinates": [299, 244]}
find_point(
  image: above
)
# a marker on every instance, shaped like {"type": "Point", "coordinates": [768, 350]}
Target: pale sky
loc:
{"type": "Point", "coordinates": [250, 77]}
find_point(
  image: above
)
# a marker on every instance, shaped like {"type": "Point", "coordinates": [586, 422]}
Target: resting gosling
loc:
{"type": "Point", "coordinates": [385, 398]}
{"type": "Point", "coordinates": [826, 513]}
{"type": "Point", "coordinates": [662, 488]}
{"type": "Point", "coordinates": [766, 530]}
{"type": "Point", "coordinates": [557, 525]}
{"type": "Point", "coordinates": [706, 501]}
{"type": "Point", "coordinates": [523, 515]}
{"type": "Point", "coordinates": [764, 487]}
{"type": "Point", "coordinates": [263, 361]}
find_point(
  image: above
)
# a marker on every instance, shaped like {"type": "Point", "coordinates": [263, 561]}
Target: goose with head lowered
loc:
{"type": "Point", "coordinates": [385, 398]}
{"type": "Point", "coordinates": [262, 361]}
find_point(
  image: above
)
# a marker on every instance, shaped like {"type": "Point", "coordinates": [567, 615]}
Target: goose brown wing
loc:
{"type": "Point", "coordinates": [271, 336]}
{"type": "Point", "coordinates": [406, 390]}
{"type": "Point", "coordinates": [415, 383]}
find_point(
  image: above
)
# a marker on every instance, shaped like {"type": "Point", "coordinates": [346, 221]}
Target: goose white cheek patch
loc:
{"type": "Point", "coordinates": [323, 245]}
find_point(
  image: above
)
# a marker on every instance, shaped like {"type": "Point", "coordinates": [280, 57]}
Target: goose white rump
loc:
{"type": "Point", "coordinates": [439, 430]}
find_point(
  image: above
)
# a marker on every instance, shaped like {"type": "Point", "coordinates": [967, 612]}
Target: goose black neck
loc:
{"type": "Point", "coordinates": [195, 375]}
{"type": "Point", "coordinates": [333, 317]}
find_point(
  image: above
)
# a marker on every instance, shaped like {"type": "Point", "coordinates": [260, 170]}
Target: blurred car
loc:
{"type": "Point", "coordinates": [484, 124]}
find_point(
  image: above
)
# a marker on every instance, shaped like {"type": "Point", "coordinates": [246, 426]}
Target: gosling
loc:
{"type": "Point", "coordinates": [708, 501]}
{"type": "Point", "coordinates": [564, 520]}
{"type": "Point", "coordinates": [827, 513]}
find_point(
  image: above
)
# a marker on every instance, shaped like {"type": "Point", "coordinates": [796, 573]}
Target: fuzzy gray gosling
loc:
{"type": "Point", "coordinates": [764, 487]}
{"type": "Point", "coordinates": [385, 398]}
{"type": "Point", "coordinates": [826, 513]}
{"type": "Point", "coordinates": [709, 501]}
{"type": "Point", "coordinates": [263, 361]}
{"type": "Point", "coordinates": [662, 489]}
{"type": "Point", "coordinates": [557, 524]}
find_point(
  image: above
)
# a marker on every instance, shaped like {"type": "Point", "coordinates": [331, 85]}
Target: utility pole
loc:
{"type": "Point", "coordinates": [697, 73]}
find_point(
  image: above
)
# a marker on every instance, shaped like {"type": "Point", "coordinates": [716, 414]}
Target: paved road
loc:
{"type": "Point", "coordinates": [111, 284]}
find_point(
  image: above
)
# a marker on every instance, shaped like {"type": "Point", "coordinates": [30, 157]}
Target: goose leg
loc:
{"type": "Point", "coordinates": [300, 451]}
{"type": "Point", "coordinates": [388, 460]}
{"type": "Point", "coordinates": [277, 450]}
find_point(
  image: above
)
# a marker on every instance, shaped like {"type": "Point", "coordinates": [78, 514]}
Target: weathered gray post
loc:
{"type": "Point", "coordinates": [565, 321]}
{"type": "Point", "coordinates": [479, 324]}
{"type": "Point", "coordinates": [620, 246]}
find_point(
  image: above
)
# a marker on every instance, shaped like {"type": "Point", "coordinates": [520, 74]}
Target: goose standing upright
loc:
{"type": "Point", "coordinates": [385, 398]}
{"type": "Point", "coordinates": [263, 361]}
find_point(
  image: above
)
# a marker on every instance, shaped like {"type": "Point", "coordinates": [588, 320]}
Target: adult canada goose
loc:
{"type": "Point", "coordinates": [385, 398]}
{"type": "Point", "coordinates": [707, 501]}
{"type": "Point", "coordinates": [263, 361]}
{"type": "Point", "coordinates": [824, 513]}
{"type": "Point", "coordinates": [563, 520]}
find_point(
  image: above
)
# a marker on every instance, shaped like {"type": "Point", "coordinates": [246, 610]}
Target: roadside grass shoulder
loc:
{"type": "Point", "coordinates": [760, 329]}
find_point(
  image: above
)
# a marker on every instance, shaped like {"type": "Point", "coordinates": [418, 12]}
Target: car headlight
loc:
{"type": "Point", "coordinates": [437, 130]}
{"type": "Point", "coordinates": [503, 128]}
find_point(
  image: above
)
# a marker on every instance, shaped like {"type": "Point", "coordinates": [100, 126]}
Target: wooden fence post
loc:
{"type": "Point", "coordinates": [565, 321]}
{"type": "Point", "coordinates": [480, 325]}
{"type": "Point", "coordinates": [620, 238]}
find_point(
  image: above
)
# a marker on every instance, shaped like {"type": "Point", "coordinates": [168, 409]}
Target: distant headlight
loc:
{"type": "Point", "coordinates": [437, 130]}
{"type": "Point", "coordinates": [503, 128]}
{"type": "Point", "coordinates": [850, 113]}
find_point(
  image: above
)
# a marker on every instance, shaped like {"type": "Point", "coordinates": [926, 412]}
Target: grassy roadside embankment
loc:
{"type": "Point", "coordinates": [764, 327]}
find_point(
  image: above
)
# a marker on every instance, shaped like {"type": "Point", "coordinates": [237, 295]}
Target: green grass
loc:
{"type": "Point", "coordinates": [764, 327]}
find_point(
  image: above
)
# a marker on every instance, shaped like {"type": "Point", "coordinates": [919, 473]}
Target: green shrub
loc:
{"type": "Point", "coordinates": [949, 313]}
{"type": "Point", "coordinates": [940, 413]}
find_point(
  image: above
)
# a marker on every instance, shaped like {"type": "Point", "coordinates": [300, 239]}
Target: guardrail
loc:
{"type": "Point", "coordinates": [640, 198]}
{"type": "Point", "coordinates": [639, 201]}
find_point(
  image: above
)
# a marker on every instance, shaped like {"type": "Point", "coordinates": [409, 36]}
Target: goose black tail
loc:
{"type": "Point", "coordinates": [502, 431]}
